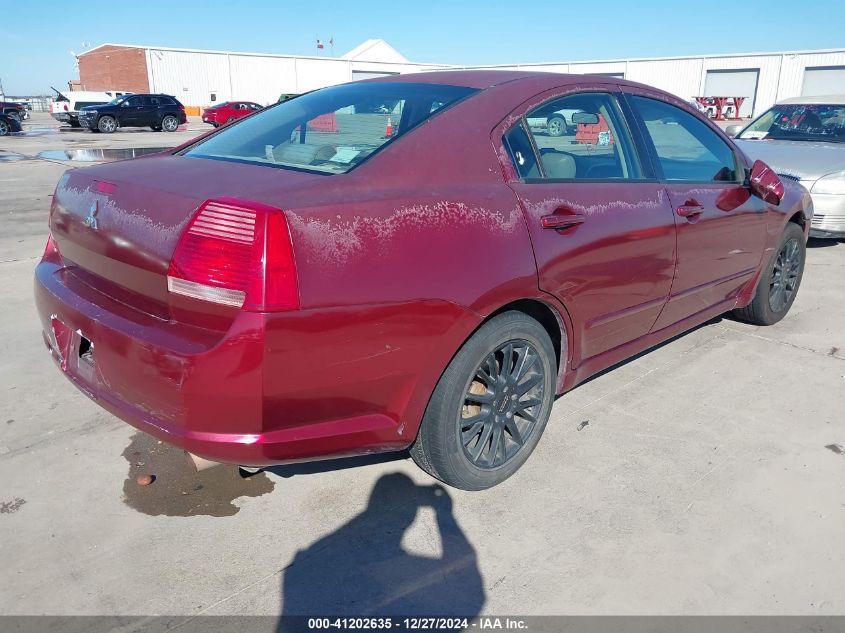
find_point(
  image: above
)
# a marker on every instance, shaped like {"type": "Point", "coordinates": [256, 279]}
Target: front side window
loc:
{"type": "Point", "coordinates": [330, 130]}
{"type": "Point", "coordinates": [686, 148]}
{"type": "Point", "coordinates": [134, 102]}
{"type": "Point", "coordinates": [799, 122]}
{"type": "Point", "coordinates": [582, 137]}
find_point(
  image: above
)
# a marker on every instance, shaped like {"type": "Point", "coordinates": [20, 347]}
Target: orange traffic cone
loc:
{"type": "Point", "coordinates": [388, 132]}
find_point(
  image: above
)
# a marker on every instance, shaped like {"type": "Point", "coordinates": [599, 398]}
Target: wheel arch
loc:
{"type": "Point", "coordinates": [799, 218]}
{"type": "Point", "coordinates": [555, 321]}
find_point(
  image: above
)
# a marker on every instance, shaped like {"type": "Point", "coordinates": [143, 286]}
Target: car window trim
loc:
{"type": "Point", "coordinates": [614, 98]}
{"type": "Point", "coordinates": [739, 165]}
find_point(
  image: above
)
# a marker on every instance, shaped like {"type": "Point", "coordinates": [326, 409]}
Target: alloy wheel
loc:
{"type": "Point", "coordinates": [784, 279]}
{"type": "Point", "coordinates": [107, 125]}
{"type": "Point", "coordinates": [501, 404]}
{"type": "Point", "coordinates": [170, 123]}
{"type": "Point", "coordinates": [4, 128]}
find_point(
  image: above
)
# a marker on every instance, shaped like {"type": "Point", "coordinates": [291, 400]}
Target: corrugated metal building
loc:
{"type": "Point", "coordinates": [762, 78]}
{"type": "Point", "coordinates": [200, 77]}
{"type": "Point", "coordinates": [203, 77]}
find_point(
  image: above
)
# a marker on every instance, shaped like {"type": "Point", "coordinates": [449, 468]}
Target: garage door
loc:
{"type": "Point", "coordinates": [362, 74]}
{"type": "Point", "coordinates": [733, 83]}
{"type": "Point", "coordinates": [823, 80]}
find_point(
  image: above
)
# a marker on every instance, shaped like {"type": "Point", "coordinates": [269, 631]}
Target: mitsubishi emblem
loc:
{"type": "Point", "coordinates": [91, 220]}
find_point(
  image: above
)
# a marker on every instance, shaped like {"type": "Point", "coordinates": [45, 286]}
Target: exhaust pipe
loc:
{"type": "Point", "coordinates": [201, 463]}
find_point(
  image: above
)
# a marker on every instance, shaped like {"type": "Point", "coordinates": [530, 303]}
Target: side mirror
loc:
{"type": "Point", "coordinates": [733, 130]}
{"type": "Point", "coordinates": [765, 183]}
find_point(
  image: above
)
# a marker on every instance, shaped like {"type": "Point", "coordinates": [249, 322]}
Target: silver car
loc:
{"type": "Point", "coordinates": [804, 139]}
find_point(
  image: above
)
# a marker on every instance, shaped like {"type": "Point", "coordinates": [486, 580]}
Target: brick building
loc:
{"type": "Point", "coordinates": [114, 67]}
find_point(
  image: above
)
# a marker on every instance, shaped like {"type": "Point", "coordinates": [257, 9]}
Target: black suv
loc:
{"type": "Point", "coordinates": [160, 112]}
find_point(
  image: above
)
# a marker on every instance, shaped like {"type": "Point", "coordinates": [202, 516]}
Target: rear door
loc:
{"type": "Point", "coordinates": [152, 111]}
{"type": "Point", "coordinates": [721, 227]}
{"type": "Point", "coordinates": [601, 225]}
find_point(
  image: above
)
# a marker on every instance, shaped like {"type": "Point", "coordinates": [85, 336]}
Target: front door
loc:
{"type": "Point", "coordinates": [721, 226]}
{"type": "Point", "coordinates": [132, 111]}
{"type": "Point", "coordinates": [602, 230]}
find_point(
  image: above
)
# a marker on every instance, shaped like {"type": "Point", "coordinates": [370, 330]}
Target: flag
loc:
{"type": "Point", "coordinates": [331, 42]}
{"type": "Point", "coordinates": [320, 44]}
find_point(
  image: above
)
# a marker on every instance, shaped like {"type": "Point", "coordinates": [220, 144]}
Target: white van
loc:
{"type": "Point", "coordinates": [65, 107]}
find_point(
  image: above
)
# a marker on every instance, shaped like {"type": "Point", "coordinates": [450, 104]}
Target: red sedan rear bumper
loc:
{"type": "Point", "coordinates": [272, 389]}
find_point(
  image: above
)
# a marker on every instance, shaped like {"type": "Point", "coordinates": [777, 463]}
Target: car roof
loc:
{"type": "Point", "coordinates": [483, 79]}
{"type": "Point", "coordinates": [818, 100]}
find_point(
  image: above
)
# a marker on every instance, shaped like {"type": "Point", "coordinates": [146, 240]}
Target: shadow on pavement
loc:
{"type": "Point", "coordinates": [331, 465]}
{"type": "Point", "coordinates": [818, 242]}
{"type": "Point", "coordinates": [361, 569]}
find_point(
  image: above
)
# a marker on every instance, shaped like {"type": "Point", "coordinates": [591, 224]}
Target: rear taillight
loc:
{"type": "Point", "coordinates": [66, 108]}
{"type": "Point", "coordinates": [236, 253]}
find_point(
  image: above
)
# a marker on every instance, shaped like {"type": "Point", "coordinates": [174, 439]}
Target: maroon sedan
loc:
{"type": "Point", "coordinates": [229, 111]}
{"type": "Point", "coordinates": [426, 273]}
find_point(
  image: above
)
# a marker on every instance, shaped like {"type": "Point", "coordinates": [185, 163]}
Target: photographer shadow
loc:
{"type": "Point", "coordinates": [361, 569]}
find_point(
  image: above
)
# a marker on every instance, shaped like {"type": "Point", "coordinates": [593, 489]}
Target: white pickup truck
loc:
{"type": "Point", "coordinates": [65, 107]}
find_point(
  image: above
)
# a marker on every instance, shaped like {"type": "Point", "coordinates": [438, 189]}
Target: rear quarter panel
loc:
{"type": "Point", "coordinates": [403, 258]}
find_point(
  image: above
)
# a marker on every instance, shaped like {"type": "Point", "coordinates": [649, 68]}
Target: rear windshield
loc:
{"type": "Point", "coordinates": [330, 130]}
{"type": "Point", "coordinates": [84, 104]}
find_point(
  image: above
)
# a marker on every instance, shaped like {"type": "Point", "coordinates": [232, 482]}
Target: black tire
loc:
{"type": "Point", "coordinates": [450, 431]}
{"type": "Point", "coordinates": [75, 124]}
{"type": "Point", "coordinates": [556, 126]}
{"type": "Point", "coordinates": [106, 124]}
{"type": "Point", "coordinates": [169, 123]}
{"type": "Point", "coordinates": [779, 282]}
{"type": "Point", "coordinates": [5, 129]}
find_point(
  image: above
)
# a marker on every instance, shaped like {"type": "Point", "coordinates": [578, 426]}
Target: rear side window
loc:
{"type": "Point", "coordinates": [583, 136]}
{"type": "Point", "coordinates": [153, 101]}
{"type": "Point", "coordinates": [330, 130]}
{"type": "Point", "coordinates": [522, 154]}
{"type": "Point", "coordinates": [687, 149]}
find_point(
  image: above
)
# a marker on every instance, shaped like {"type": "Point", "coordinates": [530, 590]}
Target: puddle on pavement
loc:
{"type": "Point", "coordinates": [95, 155]}
{"type": "Point", "coordinates": [37, 131]}
{"type": "Point", "coordinates": [10, 157]}
{"type": "Point", "coordinates": [178, 490]}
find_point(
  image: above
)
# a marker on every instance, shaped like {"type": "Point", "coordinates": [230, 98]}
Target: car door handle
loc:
{"type": "Point", "coordinates": [558, 222]}
{"type": "Point", "coordinates": [690, 210]}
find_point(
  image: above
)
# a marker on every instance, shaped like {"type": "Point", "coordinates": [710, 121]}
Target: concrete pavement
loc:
{"type": "Point", "coordinates": [704, 477]}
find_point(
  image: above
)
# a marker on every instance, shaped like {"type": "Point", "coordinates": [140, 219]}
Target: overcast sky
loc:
{"type": "Point", "coordinates": [37, 37]}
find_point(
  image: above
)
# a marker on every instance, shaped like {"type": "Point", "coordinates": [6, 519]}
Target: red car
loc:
{"type": "Point", "coordinates": [428, 274]}
{"type": "Point", "coordinates": [228, 111]}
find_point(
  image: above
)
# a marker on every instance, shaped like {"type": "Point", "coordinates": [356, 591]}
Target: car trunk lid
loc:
{"type": "Point", "coordinates": [117, 225]}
